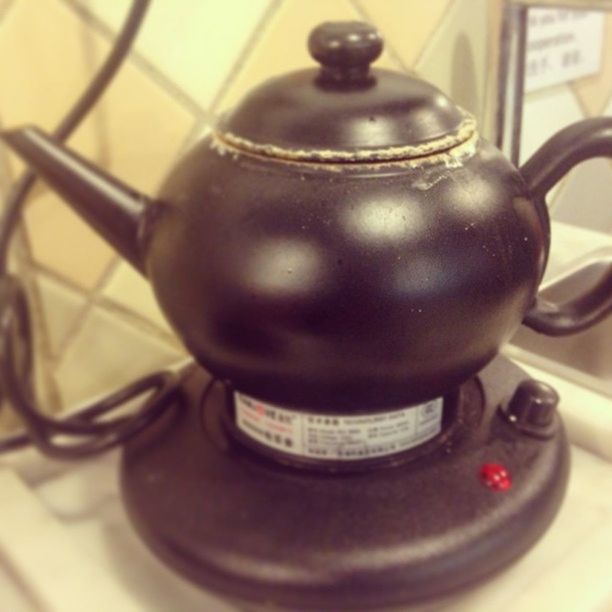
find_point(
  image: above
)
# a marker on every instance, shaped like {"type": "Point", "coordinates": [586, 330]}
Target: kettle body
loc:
{"type": "Point", "coordinates": [345, 286]}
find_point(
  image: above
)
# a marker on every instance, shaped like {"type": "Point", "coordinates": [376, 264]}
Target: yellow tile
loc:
{"type": "Point", "coordinates": [38, 88]}
{"type": "Point", "coordinates": [488, 115]}
{"type": "Point", "coordinates": [107, 354]}
{"type": "Point", "coordinates": [132, 290]}
{"type": "Point", "coordinates": [64, 243]}
{"type": "Point", "coordinates": [407, 25]}
{"type": "Point", "coordinates": [9, 421]}
{"type": "Point", "coordinates": [61, 307]}
{"type": "Point", "coordinates": [212, 36]}
{"type": "Point", "coordinates": [42, 62]}
{"type": "Point", "coordinates": [118, 136]}
{"type": "Point", "coordinates": [6, 175]}
{"type": "Point", "coordinates": [594, 91]}
{"type": "Point", "coordinates": [455, 59]}
{"type": "Point", "coordinates": [283, 44]}
{"type": "Point", "coordinates": [141, 129]}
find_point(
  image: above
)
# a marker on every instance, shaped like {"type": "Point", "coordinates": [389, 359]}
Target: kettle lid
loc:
{"type": "Point", "coordinates": [345, 111]}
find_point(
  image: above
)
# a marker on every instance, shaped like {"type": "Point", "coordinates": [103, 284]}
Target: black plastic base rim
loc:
{"type": "Point", "coordinates": [267, 536]}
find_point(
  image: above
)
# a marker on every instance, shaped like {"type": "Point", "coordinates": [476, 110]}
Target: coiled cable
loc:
{"type": "Point", "coordinates": [94, 433]}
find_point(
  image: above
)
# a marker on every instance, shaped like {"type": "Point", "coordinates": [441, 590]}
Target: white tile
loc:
{"type": "Point", "coordinates": [545, 112]}
{"type": "Point", "coordinates": [594, 90]}
{"type": "Point", "coordinates": [107, 354]}
{"type": "Point", "coordinates": [581, 580]}
{"type": "Point", "coordinates": [584, 199]}
{"type": "Point", "coordinates": [195, 43]}
{"type": "Point", "coordinates": [80, 491]}
{"type": "Point", "coordinates": [455, 59]}
{"type": "Point", "coordinates": [14, 597]}
{"type": "Point", "coordinates": [60, 308]}
{"type": "Point", "coordinates": [130, 289]}
{"type": "Point", "coordinates": [46, 559]}
{"type": "Point", "coordinates": [86, 500]}
{"type": "Point", "coordinates": [570, 243]}
{"type": "Point", "coordinates": [608, 110]}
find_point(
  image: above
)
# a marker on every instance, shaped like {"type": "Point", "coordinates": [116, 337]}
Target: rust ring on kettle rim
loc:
{"type": "Point", "coordinates": [464, 134]}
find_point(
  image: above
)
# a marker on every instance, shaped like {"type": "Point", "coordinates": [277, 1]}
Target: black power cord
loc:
{"type": "Point", "coordinates": [94, 433]}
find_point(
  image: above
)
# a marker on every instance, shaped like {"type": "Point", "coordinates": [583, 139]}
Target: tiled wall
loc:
{"type": "Point", "coordinates": [97, 323]}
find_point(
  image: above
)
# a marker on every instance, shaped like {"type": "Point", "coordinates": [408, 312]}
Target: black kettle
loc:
{"type": "Point", "coordinates": [344, 239]}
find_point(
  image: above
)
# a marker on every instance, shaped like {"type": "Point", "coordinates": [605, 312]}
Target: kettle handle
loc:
{"type": "Point", "coordinates": [572, 145]}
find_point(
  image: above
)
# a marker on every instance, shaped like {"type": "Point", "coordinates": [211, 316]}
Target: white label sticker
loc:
{"type": "Point", "coordinates": [336, 437]}
{"type": "Point", "coordinates": [562, 45]}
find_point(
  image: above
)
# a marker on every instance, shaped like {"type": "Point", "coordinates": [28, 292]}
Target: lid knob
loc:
{"type": "Point", "coordinates": [345, 49]}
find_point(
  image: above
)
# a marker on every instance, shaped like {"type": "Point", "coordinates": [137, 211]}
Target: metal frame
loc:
{"type": "Point", "coordinates": [511, 72]}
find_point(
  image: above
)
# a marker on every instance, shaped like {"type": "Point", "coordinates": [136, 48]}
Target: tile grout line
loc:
{"type": "Point", "coordinates": [586, 115]}
{"type": "Point", "coordinates": [552, 205]}
{"type": "Point", "coordinates": [434, 30]}
{"type": "Point", "coordinates": [193, 135]}
{"type": "Point", "coordinates": [138, 322]}
{"type": "Point", "coordinates": [42, 345]}
{"type": "Point", "coordinates": [66, 284]}
{"type": "Point", "coordinates": [585, 111]}
{"type": "Point", "coordinates": [559, 191]}
{"type": "Point", "coordinates": [389, 48]}
{"type": "Point", "coordinates": [607, 32]}
{"type": "Point", "coordinates": [30, 267]}
{"type": "Point", "coordinates": [90, 302]}
{"type": "Point", "coordinates": [22, 250]}
{"type": "Point", "coordinates": [201, 124]}
{"type": "Point", "coordinates": [95, 297]}
{"type": "Point", "coordinates": [59, 278]}
{"type": "Point", "coordinates": [98, 116]}
{"type": "Point", "coordinates": [97, 294]}
{"type": "Point", "coordinates": [107, 303]}
{"type": "Point", "coordinates": [139, 61]}
{"type": "Point", "coordinates": [245, 53]}
{"type": "Point", "coordinates": [578, 100]}
{"type": "Point", "coordinates": [98, 299]}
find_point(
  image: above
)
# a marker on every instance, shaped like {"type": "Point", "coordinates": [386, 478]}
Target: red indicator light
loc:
{"type": "Point", "coordinates": [495, 476]}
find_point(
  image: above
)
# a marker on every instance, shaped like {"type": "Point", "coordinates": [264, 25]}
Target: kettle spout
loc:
{"type": "Point", "coordinates": [114, 210]}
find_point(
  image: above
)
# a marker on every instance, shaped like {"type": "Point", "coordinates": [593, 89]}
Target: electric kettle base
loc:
{"type": "Point", "coordinates": [265, 535]}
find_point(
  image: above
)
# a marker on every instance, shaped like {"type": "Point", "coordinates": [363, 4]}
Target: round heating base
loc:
{"type": "Point", "coordinates": [273, 536]}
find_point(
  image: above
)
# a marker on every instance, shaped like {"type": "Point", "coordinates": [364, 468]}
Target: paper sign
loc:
{"type": "Point", "coordinates": [562, 45]}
